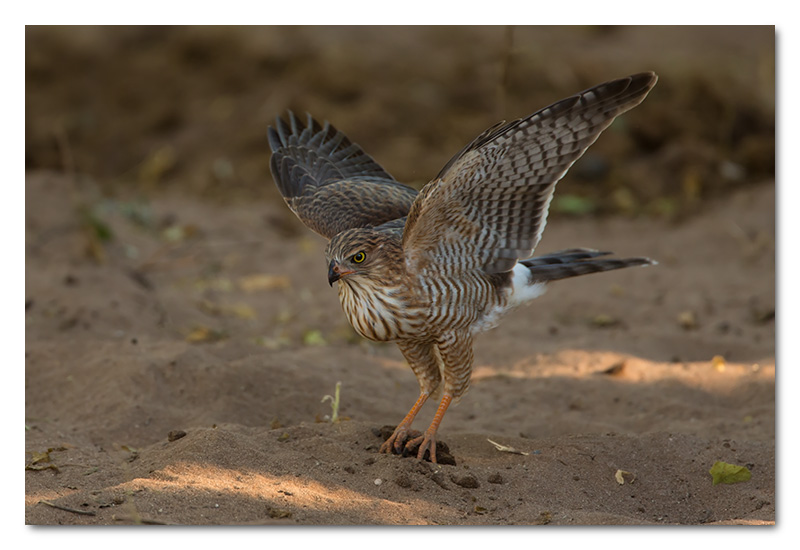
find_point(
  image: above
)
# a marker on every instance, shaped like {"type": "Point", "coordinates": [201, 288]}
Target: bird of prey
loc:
{"type": "Point", "coordinates": [429, 270]}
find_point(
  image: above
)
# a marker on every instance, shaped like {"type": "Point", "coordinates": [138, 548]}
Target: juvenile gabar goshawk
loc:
{"type": "Point", "coordinates": [429, 270]}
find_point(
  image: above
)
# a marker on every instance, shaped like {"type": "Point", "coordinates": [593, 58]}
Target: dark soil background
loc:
{"type": "Point", "coordinates": [180, 333]}
{"type": "Point", "coordinates": [162, 108]}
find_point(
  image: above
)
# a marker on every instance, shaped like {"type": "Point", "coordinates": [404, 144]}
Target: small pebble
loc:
{"type": "Point", "coordinates": [496, 479]}
{"type": "Point", "coordinates": [403, 481]}
{"type": "Point", "coordinates": [467, 481]}
{"type": "Point", "coordinates": [174, 435]}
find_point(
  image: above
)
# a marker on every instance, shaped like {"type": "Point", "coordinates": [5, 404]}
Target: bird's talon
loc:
{"type": "Point", "coordinates": [388, 446]}
{"type": "Point", "coordinates": [396, 442]}
{"type": "Point", "coordinates": [422, 444]}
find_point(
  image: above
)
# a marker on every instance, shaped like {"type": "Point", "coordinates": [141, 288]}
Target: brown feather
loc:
{"type": "Point", "coordinates": [330, 183]}
{"type": "Point", "coordinates": [500, 186]}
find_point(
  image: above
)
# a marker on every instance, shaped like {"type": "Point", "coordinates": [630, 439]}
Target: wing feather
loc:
{"type": "Point", "coordinates": [488, 206]}
{"type": "Point", "coordinates": [330, 183]}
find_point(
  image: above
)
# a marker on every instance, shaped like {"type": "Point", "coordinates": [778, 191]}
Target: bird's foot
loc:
{"type": "Point", "coordinates": [426, 442]}
{"type": "Point", "coordinates": [397, 442]}
{"type": "Point", "coordinates": [407, 442]}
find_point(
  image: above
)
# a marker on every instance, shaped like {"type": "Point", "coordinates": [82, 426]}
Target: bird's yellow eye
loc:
{"type": "Point", "coordinates": [359, 257]}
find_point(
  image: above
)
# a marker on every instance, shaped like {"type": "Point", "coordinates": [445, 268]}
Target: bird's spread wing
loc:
{"type": "Point", "coordinates": [329, 182]}
{"type": "Point", "coordinates": [488, 206]}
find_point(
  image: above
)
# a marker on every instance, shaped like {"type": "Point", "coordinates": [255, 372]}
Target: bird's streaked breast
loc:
{"type": "Point", "coordinates": [379, 312]}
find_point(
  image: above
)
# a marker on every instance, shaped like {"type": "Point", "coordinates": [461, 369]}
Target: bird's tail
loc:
{"type": "Point", "coordinates": [576, 261]}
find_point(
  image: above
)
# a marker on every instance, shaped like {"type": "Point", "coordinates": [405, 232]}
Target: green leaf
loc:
{"type": "Point", "coordinates": [722, 472]}
{"type": "Point", "coordinates": [573, 204]}
{"type": "Point", "coordinates": [99, 228]}
{"type": "Point", "coordinates": [314, 338]}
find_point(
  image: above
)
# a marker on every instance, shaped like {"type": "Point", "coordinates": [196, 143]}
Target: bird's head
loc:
{"type": "Point", "coordinates": [362, 253]}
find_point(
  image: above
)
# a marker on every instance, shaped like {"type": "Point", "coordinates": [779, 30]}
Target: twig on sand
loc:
{"type": "Point", "coordinates": [506, 448]}
{"type": "Point", "coordinates": [68, 509]}
{"type": "Point", "coordinates": [140, 520]}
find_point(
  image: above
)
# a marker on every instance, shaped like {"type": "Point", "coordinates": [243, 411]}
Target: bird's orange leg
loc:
{"type": "Point", "coordinates": [398, 438]}
{"type": "Point", "coordinates": [428, 440]}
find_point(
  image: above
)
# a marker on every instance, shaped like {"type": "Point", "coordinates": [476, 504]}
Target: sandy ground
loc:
{"type": "Point", "coordinates": [180, 334]}
{"type": "Point", "coordinates": [179, 379]}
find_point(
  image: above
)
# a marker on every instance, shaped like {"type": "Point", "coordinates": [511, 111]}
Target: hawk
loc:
{"type": "Point", "coordinates": [429, 270]}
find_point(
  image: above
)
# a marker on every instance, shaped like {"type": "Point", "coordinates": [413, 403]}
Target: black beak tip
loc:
{"type": "Point", "coordinates": [333, 275]}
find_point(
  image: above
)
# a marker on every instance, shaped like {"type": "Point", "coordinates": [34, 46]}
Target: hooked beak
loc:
{"type": "Point", "coordinates": [335, 272]}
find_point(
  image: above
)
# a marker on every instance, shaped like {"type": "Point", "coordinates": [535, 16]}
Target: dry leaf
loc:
{"type": "Point", "coordinates": [620, 476]}
{"type": "Point", "coordinates": [278, 513]}
{"type": "Point", "coordinates": [205, 334]}
{"type": "Point", "coordinates": [603, 321]}
{"type": "Point", "coordinates": [273, 343]}
{"type": "Point", "coordinates": [219, 284]}
{"type": "Point", "coordinates": [134, 453]}
{"type": "Point", "coordinates": [242, 311]}
{"type": "Point", "coordinates": [41, 461]}
{"type": "Point", "coordinates": [263, 281]}
{"type": "Point", "coordinates": [544, 518]}
{"type": "Point", "coordinates": [37, 457]}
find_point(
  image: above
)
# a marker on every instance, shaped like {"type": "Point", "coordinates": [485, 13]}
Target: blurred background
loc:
{"type": "Point", "coordinates": [169, 289]}
{"type": "Point", "coordinates": [143, 110]}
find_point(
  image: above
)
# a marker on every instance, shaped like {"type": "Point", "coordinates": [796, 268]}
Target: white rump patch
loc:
{"type": "Point", "coordinates": [522, 290]}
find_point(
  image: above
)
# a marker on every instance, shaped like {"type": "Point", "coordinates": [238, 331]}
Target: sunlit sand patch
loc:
{"type": "Point", "coordinates": [630, 369]}
{"type": "Point", "coordinates": [302, 493]}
